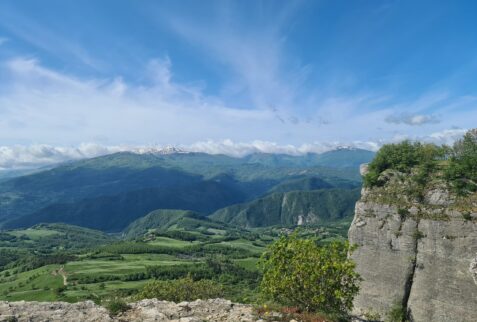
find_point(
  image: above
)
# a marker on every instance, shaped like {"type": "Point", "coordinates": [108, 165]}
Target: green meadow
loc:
{"type": "Point", "coordinates": [68, 263]}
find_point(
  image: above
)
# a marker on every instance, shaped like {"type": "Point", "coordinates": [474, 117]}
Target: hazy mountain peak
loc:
{"type": "Point", "coordinates": [170, 149]}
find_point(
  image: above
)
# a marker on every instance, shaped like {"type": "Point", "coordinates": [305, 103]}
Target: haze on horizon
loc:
{"type": "Point", "coordinates": [85, 78]}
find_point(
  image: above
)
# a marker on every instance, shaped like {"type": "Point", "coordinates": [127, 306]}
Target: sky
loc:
{"type": "Point", "coordinates": [84, 78]}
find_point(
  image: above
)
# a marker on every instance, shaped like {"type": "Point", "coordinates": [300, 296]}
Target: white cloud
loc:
{"type": "Point", "coordinates": [42, 105]}
{"type": "Point", "coordinates": [412, 119]}
{"type": "Point", "coordinates": [21, 156]}
{"type": "Point", "coordinates": [58, 108]}
{"type": "Point", "coordinates": [38, 155]}
{"type": "Point", "coordinates": [447, 136]}
{"type": "Point", "coordinates": [261, 73]}
{"type": "Point", "coordinates": [237, 149]}
{"type": "Point", "coordinates": [43, 112]}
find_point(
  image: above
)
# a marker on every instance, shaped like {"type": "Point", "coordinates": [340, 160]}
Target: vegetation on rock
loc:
{"type": "Point", "coordinates": [298, 272]}
{"type": "Point", "coordinates": [456, 164]}
{"type": "Point", "coordinates": [462, 170]}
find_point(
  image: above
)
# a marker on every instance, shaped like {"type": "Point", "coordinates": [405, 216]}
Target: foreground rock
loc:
{"type": "Point", "coordinates": [418, 254]}
{"type": "Point", "coordinates": [145, 310]}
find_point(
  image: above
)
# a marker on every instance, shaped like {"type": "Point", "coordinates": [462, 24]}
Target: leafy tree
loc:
{"type": "Point", "coordinates": [462, 169]}
{"type": "Point", "coordinates": [299, 273]}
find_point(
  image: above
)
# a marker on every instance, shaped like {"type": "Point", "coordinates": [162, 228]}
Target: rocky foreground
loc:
{"type": "Point", "coordinates": [145, 310]}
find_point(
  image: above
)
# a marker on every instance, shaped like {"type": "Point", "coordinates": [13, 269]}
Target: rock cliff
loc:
{"type": "Point", "coordinates": [417, 253]}
{"type": "Point", "coordinates": [145, 311]}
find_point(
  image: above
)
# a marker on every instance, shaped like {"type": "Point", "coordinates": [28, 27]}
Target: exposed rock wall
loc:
{"type": "Point", "coordinates": [417, 254]}
{"type": "Point", "coordinates": [145, 311]}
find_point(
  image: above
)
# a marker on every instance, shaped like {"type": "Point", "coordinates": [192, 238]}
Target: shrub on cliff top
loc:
{"type": "Point", "coordinates": [116, 306]}
{"type": "Point", "coordinates": [403, 157]}
{"type": "Point", "coordinates": [297, 272]}
{"type": "Point", "coordinates": [460, 170]}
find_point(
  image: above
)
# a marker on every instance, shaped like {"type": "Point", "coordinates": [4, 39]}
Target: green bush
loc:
{"type": "Point", "coordinates": [462, 169]}
{"type": "Point", "coordinates": [184, 289]}
{"type": "Point", "coordinates": [403, 157]}
{"type": "Point", "coordinates": [116, 306]}
{"type": "Point", "coordinates": [422, 160]}
{"type": "Point", "coordinates": [403, 213]}
{"type": "Point", "coordinates": [467, 216]}
{"type": "Point", "coordinates": [297, 272]}
{"type": "Point", "coordinates": [396, 314]}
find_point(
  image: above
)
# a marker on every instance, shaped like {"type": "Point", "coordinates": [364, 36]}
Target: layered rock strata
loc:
{"type": "Point", "coordinates": [416, 253]}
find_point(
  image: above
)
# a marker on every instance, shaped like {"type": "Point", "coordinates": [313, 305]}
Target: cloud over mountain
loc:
{"type": "Point", "coordinates": [22, 156]}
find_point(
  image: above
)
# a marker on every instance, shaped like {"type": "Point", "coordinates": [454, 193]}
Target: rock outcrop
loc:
{"type": "Point", "coordinates": [418, 254]}
{"type": "Point", "coordinates": [145, 311]}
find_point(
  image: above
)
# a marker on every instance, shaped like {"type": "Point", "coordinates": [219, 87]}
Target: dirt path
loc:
{"type": "Point", "coordinates": [62, 272]}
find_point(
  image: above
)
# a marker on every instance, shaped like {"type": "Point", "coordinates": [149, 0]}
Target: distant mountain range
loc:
{"type": "Point", "coordinates": [111, 191]}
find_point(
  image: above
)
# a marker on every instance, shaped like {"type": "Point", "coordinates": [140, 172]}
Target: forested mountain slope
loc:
{"type": "Point", "coordinates": [291, 208]}
{"type": "Point", "coordinates": [110, 192]}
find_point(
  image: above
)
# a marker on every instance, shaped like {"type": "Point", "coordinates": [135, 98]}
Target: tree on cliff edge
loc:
{"type": "Point", "coordinates": [298, 272]}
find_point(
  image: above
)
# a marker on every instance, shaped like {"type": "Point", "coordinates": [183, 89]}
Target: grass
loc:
{"type": "Point", "coordinates": [131, 264]}
{"type": "Point", "coordinates": [245, 245]}
{"type": "Point", "coordinates": [103, 278]}
{"type": "Point", "coordinates": [248, 263]}
{"type": "Point", "coordinates": [20, 286]}
{"type": "Point", "coordinates": [170, 242]}
{"type": "Point", "coordinates": [34, 233]}
{"type": "Point", "coordinates": [95, 290]}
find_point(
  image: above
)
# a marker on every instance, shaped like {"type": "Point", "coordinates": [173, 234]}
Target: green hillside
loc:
{"type": "Point", "coordinates": [110, 192]}
{"type": "Point", "coordinates": [305, 183]}
{"type": "Point", "coordinates": [163, 220]}
{"type": "Point", "coordinates": [47, 237]}
{"type": "Point", "coordinates": [291, 208]}
{"type": "Point", "coordinates": [45, 244]}
{"type": "Point", "coordinates": [114, 213]}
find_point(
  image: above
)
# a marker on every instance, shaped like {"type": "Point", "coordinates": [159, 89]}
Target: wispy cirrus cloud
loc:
{"type": "Point", "coordinates": [412, 119]}
{"type": "Point", "coordinates": [262, 73]}
{"type": "Point", "coordinates": [43, 105]}
{"type": "Point", "coordinates": [238, 75]}
{"type": "Point", "coordinates": [53, 107]}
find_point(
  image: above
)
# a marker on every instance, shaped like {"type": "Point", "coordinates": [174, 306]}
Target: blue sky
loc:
{"type": "Point", "coordinates": [303, 75]}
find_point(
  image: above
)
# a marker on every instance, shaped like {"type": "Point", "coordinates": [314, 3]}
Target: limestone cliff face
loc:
{"type": "Point", "coordinates": [420, 254]}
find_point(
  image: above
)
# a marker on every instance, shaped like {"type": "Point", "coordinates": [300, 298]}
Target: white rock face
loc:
{"type": "Point", "coordinates": [420, 254]}
{"type": "Point", "coordinates": [473, 269]}
{"type": "Point", "coordinates": [145, 311]}
{"type": "Point", "coordinates": [438, 197]}
{"type": "Point", "coordinates": [363, 169]}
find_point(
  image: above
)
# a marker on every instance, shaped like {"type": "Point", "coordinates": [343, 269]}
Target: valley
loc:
{"type": "Point", "coordinates": [101, 266]}
{"type": "Point", "coordinates": [103, 228]}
